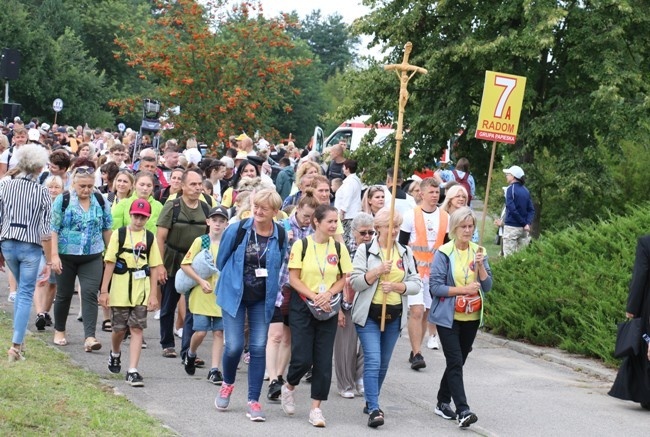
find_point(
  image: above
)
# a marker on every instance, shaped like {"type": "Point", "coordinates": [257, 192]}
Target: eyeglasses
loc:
{"type": "Point", "coordinates": [84, 170]}
{"type": "Point", "coordinates": [366, 233]}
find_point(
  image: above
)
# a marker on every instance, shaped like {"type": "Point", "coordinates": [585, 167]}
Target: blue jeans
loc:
{"type": "Point", "coordinates": [233, 328]}
{"type": "Point", "coordinates": [377, 349]}
{"type": "Point", "coordinates": [23, 259]}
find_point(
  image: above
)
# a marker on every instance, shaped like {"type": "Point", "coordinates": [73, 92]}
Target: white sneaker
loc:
{"type": "Point", "coordinates": [178, 332]}
{"type": "Point", "coordinates": [316, 418]}
{"type": "Point", "coordinates": [347, 394]}
{"type": "Point", "coordinates": [287, 401]}
{"type": "Point", "coordinates": [432, 342]}
{"type": "Point", "coordinates": [12, 297]}
{"type": "Point", "coordinates": [360, 388]}
{"type": "Point", "coordinates": [156, 315]}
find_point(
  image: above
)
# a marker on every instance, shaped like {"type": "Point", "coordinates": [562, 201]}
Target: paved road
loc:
{"type": "Point", "coordinates": [515, 390]}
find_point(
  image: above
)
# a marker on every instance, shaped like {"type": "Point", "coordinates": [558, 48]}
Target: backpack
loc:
{"type": "Point", "coordinates": [176, 210]}
{"type": "Point", "coordinates": [66, 200]}
{"type": "Point", "coordinates": [337, 246]}
{"type": "Point", "coordinates": [464, 182]}
{"type": "Point", "coordinates": [120, 264]}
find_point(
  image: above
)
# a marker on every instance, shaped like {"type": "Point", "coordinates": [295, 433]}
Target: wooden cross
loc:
{"type": "Point", "coordinates": [405, 72]}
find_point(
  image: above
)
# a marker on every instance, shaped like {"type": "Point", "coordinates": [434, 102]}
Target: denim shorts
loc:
{"type": "Point", "coordinates": [207, 323]}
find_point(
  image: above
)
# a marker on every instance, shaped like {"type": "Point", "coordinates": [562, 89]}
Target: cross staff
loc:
{"type": "Point", "coordinates": [405, 72]}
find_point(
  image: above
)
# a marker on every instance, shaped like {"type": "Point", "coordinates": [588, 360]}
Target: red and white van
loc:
{"type": "Point", "coordinates": [352, 131]}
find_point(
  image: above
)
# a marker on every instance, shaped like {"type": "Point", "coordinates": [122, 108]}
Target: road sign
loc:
{"type": "Point", "coordinates": [503, 95]}
{"type": "Point", "coordinates": [121, 127]}
{"type": "Point", "coordinates": [57, 105]}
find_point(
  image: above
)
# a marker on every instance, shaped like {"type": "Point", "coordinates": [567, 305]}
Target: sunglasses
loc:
{"type": "Point", "coordinates": [84, 170]}
{"type": "Point", "coordinates": [366, 233]}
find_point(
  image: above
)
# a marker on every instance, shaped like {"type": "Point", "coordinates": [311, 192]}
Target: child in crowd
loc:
{"type": "Point", "coordinates": [132, 260]}
{"type": "Point", "coordinates": [202, 302]}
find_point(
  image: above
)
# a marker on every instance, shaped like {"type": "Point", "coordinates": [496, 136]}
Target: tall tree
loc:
{"type": "Point", "coordinates": [223, 66]}
{"type": "Point", "coordinates": [586, 62]}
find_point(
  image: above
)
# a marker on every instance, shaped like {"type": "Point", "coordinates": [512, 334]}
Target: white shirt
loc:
{"type": "Point", "coordinates": [401, 205]}
{"type": "Point", "coordinates": [348, 197]}
{"type": "Point", "coordinates": [5, 156]}
{"type": "Point", "coordinates": [431, 222]}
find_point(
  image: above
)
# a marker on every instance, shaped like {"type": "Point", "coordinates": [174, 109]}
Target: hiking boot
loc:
{"type": "Point", "coordinates": [275, 389]}
{"type": "Point", "coordinates": [134, 379]}
{"type": "Point", "coordinates": [215, 376]}
{"type": "Point", "coordinates": [417, 361]}
{"type": "Point", "coordinates": [40, 322]}
{"type": "Point", "coordinates": [375, 419]}
{"type": "Point", "coordinates": [316, 418]}
{"type": "Point", "coordinates": [223, 399]}
{"type": "Point", "coordinates": [466, 418]}
{"type": "Point", "coordinates": [444, 410]}
{"type": "Point", "coordinates": [254, 412]}
{"type": "Point", "coordinates": [287, 401]}
{"type": "Point", "coordinates": [114, 363]}
{"type": "Point", "coordinates": [190, 367]}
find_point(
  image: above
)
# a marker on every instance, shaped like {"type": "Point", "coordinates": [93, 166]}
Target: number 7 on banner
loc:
{"type": "Point", "coordinates": [503, 95]}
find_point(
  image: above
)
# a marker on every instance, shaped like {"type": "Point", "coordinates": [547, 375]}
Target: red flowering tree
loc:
{"type": "Point", "coordinates": [227, 68]}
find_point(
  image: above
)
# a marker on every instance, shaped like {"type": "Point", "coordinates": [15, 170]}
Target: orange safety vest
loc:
{"type": "Point", "coordinates": [421, 252]}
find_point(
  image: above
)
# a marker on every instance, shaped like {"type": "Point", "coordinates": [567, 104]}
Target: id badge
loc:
{"type": "Point", "coordinates": [322, 289]}
{"type": "Point", "coordinates": [139, 274]}
{"type": "Point", "coordinates": [261, 273]}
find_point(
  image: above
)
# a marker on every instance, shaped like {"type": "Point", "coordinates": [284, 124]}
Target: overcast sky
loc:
{"type": "Point", "coordinates": [349, 9]}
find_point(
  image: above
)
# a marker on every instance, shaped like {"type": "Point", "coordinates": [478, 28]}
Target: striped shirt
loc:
{"type": "Point", "coordinates": [25, 210]}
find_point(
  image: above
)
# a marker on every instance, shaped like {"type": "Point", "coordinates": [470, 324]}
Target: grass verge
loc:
{"type": "Point", "coordinates": [48, 395]}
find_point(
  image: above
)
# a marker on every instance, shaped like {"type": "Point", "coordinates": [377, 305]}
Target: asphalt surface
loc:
{"type": "Point", "coordinates": [515, 389]}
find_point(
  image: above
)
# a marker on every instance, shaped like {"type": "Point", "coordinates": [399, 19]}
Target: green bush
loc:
{"type": "Point", "coordinates": [569, 288]}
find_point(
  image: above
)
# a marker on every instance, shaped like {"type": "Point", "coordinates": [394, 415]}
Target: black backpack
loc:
{"type": "Point", "coordinates": [66, 200]}
{"type": "Point", "coordinates": [120, 264]}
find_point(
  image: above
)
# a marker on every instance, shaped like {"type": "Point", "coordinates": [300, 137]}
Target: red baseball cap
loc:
{"type": "Point", "coordinates": [140, 207]}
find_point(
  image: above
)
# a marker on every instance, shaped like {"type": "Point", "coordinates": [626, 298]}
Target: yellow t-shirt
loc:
{"type": "Point", "coordinates": [320, 265]}
{"type": "Point", "coordinates": [396, 275]}
{"type": "Point", "coordinates": [140, 288]}
{"type": "Point", "coordinates": [202, 303]}
{"type": "Point", "coordinates": [464, 274]}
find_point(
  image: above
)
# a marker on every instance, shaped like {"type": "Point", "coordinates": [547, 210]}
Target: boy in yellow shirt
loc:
{"type": "Point", "coordinates": [132, 259]}
{"type": "Point", "coordinates": [202, 301]}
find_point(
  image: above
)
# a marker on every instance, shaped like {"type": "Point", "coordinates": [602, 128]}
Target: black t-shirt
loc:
{"type": "Point", "coordinates": [335, 170]}
{"type": "Point", "coordinates": [254, 258]}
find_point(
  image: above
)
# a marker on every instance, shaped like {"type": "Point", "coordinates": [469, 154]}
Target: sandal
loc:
{"type": "Point", "coordinates": [14, 355]}
{"type": "Point", "coordinates": [91, 344]}
{"type": "Point", "coordinates": [60, 341]}
{"type": "Point", "coordinates": [107, 326]}
{"type": "Point", "coordinates": [169, 352]}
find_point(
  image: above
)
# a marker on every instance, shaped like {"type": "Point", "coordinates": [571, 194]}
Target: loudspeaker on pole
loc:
{"type": "Point", "coordinates": [10, 64]}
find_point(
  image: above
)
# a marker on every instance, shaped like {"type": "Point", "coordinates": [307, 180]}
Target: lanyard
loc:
{"type": "Point", "coordinates": [136, 255]}
{"type": "Point", "coordinates": [322, 269]}
{"type": "Point", "coordinates": [463, 265]}
{"type": "Point", "coordinates": [256, 246]}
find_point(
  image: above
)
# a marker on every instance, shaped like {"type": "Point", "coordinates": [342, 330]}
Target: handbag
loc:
{"type": "Point", "coordinates": [319, 313]}
{"type": "Point", "coordinates": [204, 266]}
{"type": "Point", "coordinates": [628, 338]}
{"type": "Point", "coordinates": [468, 305]}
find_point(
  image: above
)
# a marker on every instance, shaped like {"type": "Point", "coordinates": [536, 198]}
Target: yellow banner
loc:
{"type": "Point", "coordinates": [498, 119]}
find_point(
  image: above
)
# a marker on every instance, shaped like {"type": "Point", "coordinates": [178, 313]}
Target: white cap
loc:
{"type": "Point", "coordinates": [228, 161]}
{"type": "Point", "coordinates": [515, 170]}
{"type": "Point", "coordinates": [45, 127]}
{"type": "Point", "coordinates": [33, 135]}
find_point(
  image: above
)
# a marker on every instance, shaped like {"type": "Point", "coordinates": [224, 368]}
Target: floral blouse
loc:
{"type": "Point", "coordinates": [80, 232]}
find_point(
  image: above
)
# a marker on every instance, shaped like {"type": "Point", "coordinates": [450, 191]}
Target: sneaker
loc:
{"type": "Point", "coordinates": [375, 419]}
{"type": "Point", "coordinates": [308, 376]}
{"type": "Point", "coordinates": [275, 389]}
{"type": "Point", "coordinates": [134, 379]}
{"type": "Point", "coordinates": [144, 344]}
{"type": "Point", "coordinates": [114, 363]}
{"type": "Point", "coordinates": [178, 332]}
{"type": "Point", "coordinates": [48, 319]}
{"type": "Point", "coordinates": [190, 367]}
{"type": "Point", "coordinates": [287, 401]}
{"type": "Point", "coordinates": [223, 399]}
{"type": "Point", "coordinates": [367, 411]}
{"type": "Point", "coordinates": [247, 357]}
{"type": "Point", "coordinates": [347, 394]}
{"type": "Point", "coordinates": [254, 412]}
{"type": "Point", "coordinates": [215, 376]}
{"type": "Point", "coordinates": [466, 418]}
{"type": "Point", "coordinates": [316, 418]}
{"type": "Point", "coordinates": [156, 315]}
{"type": "Point", "coordinates": [417, 361]}
{"type": "Point", "coordinates": [360, 388]}
{"type": "Point", "coordinates": [432, 342]}
{"type": "Point", "coordinates": [40, 322]}
{"type": "Point", "coordinates": [444, 410]}
{"type": "Point", "coordinates": [12, 297]}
